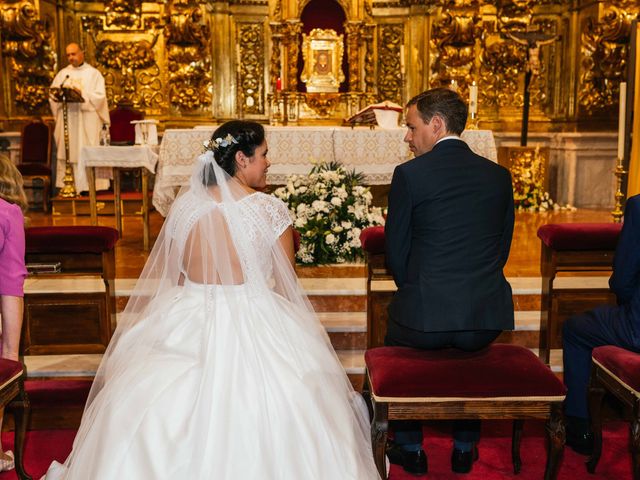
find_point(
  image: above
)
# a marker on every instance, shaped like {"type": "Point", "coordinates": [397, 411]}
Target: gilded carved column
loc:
{"type": "Point", "coordinates": [277, 54]}
{"type": "Point", "coordinates": [27, 54]}
{"type": "Point", "coordinates": [354, 40]}
{"type": "Point", "coordinates": [391, 37]}
{"type": "Point", "coordinates": [251, 52]}
{"type": "Point", "coordinates": [369, 64]}
{"type": "Point", "coordinates": [292, 47]}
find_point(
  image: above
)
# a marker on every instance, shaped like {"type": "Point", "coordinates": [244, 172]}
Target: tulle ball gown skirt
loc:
{"type": "Point", "coordinates": [222, 382]}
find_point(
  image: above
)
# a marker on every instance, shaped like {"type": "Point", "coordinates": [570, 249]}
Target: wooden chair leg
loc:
{"type": "Point", "coordinates": [596, 394]}
{"type": "Point", "coordinates": [556, 436]}
{"type": "Point", "coordinates": [515, 445]}
{"type": "Point", "coordinates": [21, 410]}
{"type": "Point", "coordinates": [635, 441]}
{"type": "Point", "coordinates": [379, 428]}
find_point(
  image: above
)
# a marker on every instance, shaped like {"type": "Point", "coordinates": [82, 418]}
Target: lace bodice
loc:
{"type": "Point", "coordinates": [256, 227]}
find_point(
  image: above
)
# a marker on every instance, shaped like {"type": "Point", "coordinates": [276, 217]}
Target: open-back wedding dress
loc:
{"type": "Point", "coordinates": [219, 368]}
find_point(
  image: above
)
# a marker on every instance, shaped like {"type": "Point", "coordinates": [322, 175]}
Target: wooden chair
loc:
{"type": "Point", "coordinates": [499, 382]}
{"type": "Point", "coordinates": [74, 321]}
{"type": "Point", "coordinates": [15, 401]}
{"type": "Point", "coordinates": [121, 130]}
{"type": "Point", "coordinates": [572, 247]}
{"type": "Point", "coordinates": [617, 371]}
{"type": "Point", "coordinates": [35, 158]}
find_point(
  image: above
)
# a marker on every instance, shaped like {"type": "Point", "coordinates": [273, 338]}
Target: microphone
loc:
{"type": "Point", "coordinates": [65, 79]}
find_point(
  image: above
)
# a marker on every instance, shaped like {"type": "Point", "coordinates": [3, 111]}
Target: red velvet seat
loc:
{"type": "Point", "coordinates": [499, 382]}
{"type": "Point", "coordinates": [14, 399]}
{"type": "Point", "coordinates": [497, 371]}
{"type": "Point", "coordinates": [71, 239]}
{"type": "Point", "coordinates": [572, 247]}
{"type": "Point", "coordinates": [80, 320]}
{"type": "Point", "coordinates": [121, 130]}
{"type": "Point", "coordinates": [580, 236]}
{"type": "Point", "coordinates": [35, 158]}
{"type": "Point", "coordinates": [617, 371]}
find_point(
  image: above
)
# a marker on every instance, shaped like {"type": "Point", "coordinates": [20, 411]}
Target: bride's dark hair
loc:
{"type": "Point", "coordinates": [228, 139]}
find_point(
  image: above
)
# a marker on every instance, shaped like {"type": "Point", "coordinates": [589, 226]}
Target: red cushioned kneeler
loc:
{"type": "Point", "coordinates": [76, 321]}
{"type": "Point", "coordinates": [572, 247]}
{"type": "Point", "coordinates": [617, 371]}
{"type": "Point", "coordinates": [499, 382]}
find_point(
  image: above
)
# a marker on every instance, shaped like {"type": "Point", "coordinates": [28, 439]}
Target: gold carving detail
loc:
{"type": "Point", "coordinates": [354, 31]}
{"type": "Point", "coordinates": [123, 14]}
{"type": "Point", "coordinates": [389, 78]}
{"type": "Point", "coordinates": [604, 49]}
{"type": "Point", "coordinates": [453, 43]}
{"type": "Point", "coordinates": [26, 46]}
{"type": "Point", "coordinates": [251, 69]}
{"type": "Point", "coordinates": [189, 60]}
{"type": "Point", "coordinates": [323, 104]}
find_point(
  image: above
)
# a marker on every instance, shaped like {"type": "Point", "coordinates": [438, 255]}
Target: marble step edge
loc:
{"type": "Point", "coordinates": [85, 366]}
{"type": "Point", "coordinates": [312, 286]}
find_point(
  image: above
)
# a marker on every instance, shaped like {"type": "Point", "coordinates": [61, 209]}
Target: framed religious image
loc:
{"type": "Point", "coordinates": [322, 52]}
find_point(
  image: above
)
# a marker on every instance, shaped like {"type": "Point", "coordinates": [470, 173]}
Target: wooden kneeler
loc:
{"type": "Point", "coordinates": [500, 382]}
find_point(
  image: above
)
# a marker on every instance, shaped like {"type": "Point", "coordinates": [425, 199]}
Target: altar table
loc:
{"type": "Point", "coordinates": [143, 157]}
{"type": "Point", "coordinates": [294, 150]}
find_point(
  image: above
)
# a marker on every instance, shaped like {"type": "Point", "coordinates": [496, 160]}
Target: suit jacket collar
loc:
{"type": "Point", "coordinates": [451, 142]}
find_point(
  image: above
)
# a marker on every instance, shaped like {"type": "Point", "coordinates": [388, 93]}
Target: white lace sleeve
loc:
{"type": "Point", "coordinates": [277, 212]}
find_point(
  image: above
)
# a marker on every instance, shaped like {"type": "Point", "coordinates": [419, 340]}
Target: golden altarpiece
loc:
{"type": "Point", "coordinates": [187, 62]}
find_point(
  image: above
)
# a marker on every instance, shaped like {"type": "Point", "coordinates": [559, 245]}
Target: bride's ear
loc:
{"type": "Point", "coordinates": [241, 159]}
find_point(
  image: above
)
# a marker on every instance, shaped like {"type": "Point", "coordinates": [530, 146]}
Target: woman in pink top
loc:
{"type": "Point", "coordinates": [13, 272]}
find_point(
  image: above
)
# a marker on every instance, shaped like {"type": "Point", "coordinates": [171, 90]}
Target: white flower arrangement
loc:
{"type": "Point", "coordinates": [329, 208]}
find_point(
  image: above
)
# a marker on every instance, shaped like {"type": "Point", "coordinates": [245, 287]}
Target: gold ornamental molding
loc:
{"type": "Point", "coordinates": [322, 52]}
{"type": "Point", "coordinates": [27, 54]}
{"type": "Point", "coordinates": [390, 38]}
{"type": "Point", "coordinates": [123, 14]}
{"type": "Point", "coordinates": [604, 50]}
{"type": "Point", "coordinates": [251, 52]}
{"type": "Point", "coordinates": [188, 56]}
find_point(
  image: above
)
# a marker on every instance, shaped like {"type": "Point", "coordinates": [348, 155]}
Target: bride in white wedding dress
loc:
{"type": "Point", "coordinates": [219, 368]}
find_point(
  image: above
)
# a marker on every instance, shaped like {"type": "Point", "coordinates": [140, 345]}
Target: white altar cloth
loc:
{"type": "Point", "coordinates": [293, 150]}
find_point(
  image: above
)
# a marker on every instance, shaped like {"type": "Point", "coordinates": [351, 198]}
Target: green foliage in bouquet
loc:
{"type": "Point", "coordinates": [329, 207]}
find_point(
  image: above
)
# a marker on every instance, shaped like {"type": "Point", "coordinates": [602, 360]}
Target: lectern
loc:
{"type": "Point", "coordinates": [66, 95]}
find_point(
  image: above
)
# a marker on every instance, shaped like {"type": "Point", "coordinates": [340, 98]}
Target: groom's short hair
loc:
{"type": "Point", "coordinates": [445, 103]}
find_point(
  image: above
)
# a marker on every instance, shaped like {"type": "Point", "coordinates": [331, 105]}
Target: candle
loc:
{"type": "Point", "coordinates": [473, 98]}
{"type": "Point", "coordinates": [278, 84]}
{"type": "Point", "coordinates": [454, 86]}
{"type": "Point", "coordinates": [402, 59]}
{"type": "Point", "coordinates": [621, 119]}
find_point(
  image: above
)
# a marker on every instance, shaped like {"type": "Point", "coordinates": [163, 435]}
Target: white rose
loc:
{"type": "Point", "coordinates": [299, 223]}
{"type": "Point", "coordinates": [346, 225]}
{"type": "Point", "coordinates": [337, 201]}
{"type": "Point", "coordinates": [330, 239]}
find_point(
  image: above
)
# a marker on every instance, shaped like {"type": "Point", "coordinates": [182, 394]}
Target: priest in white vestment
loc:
{"type": "Point", "coordinates": [85, 119]}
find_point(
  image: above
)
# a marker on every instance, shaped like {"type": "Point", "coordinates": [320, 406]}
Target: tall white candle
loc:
{"type": "Point", "coordinates": [473, 97]}
{"type": "Point", "coordinates": [621, 119]}
{"type": "Point", "coordinates": [402, 59]}
{"type": "Point", "coordinates": [454, 85]}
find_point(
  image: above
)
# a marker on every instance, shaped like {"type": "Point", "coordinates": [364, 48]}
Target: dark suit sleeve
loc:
{"type": "Point", "coordinates": [626, 265]}
{"type": "Point", "coordinates": [398, 227]}
{"type": "Point", "coordinates": [509, 219]}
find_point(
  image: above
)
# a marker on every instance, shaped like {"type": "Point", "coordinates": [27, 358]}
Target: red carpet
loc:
{"type": "Point", "coordinates": [43, 446]}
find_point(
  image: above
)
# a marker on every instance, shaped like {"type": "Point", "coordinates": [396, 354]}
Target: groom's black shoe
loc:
{"type": "Point", "coordinates": [461, 462]}
{"type": "Point", "coordinates": [579, 436]}
{"type": "Point", "coordinates": [414, 463]}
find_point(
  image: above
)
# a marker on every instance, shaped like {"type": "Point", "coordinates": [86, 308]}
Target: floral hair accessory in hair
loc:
{"type": "Point", "coordinates": [217, 143]}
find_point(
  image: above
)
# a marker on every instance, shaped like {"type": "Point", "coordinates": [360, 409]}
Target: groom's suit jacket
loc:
{"type": "Point", "coordinates": [448, 234]}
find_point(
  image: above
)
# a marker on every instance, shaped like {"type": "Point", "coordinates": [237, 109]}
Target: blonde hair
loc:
{"type": "Point", "coordinates": [11, 184]}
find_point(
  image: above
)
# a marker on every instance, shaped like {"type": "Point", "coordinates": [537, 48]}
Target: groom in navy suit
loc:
{"type": "Point", "coordinates": [606, 325]}
{"type": "Point", "coordinates": [448, 235]}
